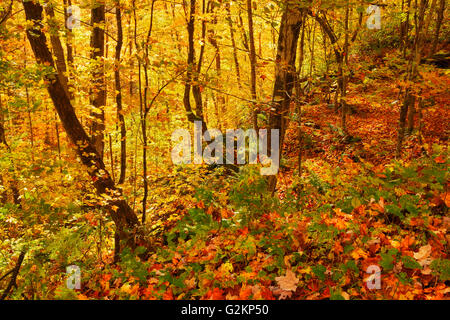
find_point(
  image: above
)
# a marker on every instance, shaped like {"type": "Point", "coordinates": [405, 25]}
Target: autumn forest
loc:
{"type": "Point", "coordinates": [224, 150]}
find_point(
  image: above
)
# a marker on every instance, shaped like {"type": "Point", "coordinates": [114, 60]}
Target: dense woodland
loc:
{"type": "Point", "coordinates": [92, 90]}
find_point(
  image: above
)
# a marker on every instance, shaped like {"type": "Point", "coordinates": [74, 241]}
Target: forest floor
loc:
{"type": "Point", "coordinates": [355, 209]}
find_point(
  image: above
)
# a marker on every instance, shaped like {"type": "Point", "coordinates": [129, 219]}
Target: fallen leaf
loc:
{"type": "Point", "coordinates": [288, 282]}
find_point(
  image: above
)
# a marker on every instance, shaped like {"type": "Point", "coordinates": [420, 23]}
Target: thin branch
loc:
{"type": "Point", "coordinates": [15, 272]}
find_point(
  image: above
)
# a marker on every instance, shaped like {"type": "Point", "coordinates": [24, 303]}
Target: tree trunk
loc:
{"type": "Point", "coordinates": [192, 73]}
{"type": "Point", "coordinates": [58, 50]}
{"type": "Point", "coordinates": [123, 216]}
{"type": "Point", "coordinates": [402, 121]}
{"type": "Point", "coordinates": [298, 93]}
{"type": "Point", "coordinates": [440, 18]}
{"type": "Point", "coordinates": [120, 117]}
{"type": "Point", "coordinates": [322, 19]}
{"type": "Point", "coordinates": [98, 92]}
{"type": "Point", "coordinates": [411, 114]}
{"type": "Point", "coordinates": [285, 75]}
{"type": "Point", "coordinates": [344, 80]}
{"type": "Point", "coordinates": [412, 73]}
{"type": "Point", "coordinates": [405, 29]}
{"type": "Point", "coordinates": [233, 43]}
{"type": "Point", "coordinates": [252, 54]}
{"type": "Point", "coordinates": [220, 105]}
{"type": "Point", "coordinates": [69, 48]}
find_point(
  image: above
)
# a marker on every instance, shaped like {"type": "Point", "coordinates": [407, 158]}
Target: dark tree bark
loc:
{"type": "Point", "coordinates": [126, 221]}
{"type": "Point", "coordinates": [412, 72]}
{"type": "Point", "coordinates": [252, 53]}
{"type": "Point", "coordinates": [233, 43]}
{"type": "Point", "coordinates": [3, 194]}
{"type": "Point", "coordinates": [98, 92]}
{"type": "Point", "coordinates": [15, 273]}
{"type": "Point", "coordinates": [440, 19]}
{"type": "Point", "coordinates": [323, 21]}
{"type": "Point", "coordinates": [404, 36]}
{"type": "Point", "coordinates": [57, 47]}
{"type": "Point", "coordinates": [7, 13]}
{"type": "Point", "coordinates": [143, 114]}
{"type": "Point", "coordinates": [299, 93]}
{"type": "Point", "coordinates": [192, 73]}
{"type": "Point", "coordinates": [285, 75]}
{"type": "Point", "coordinates": [69, 48]}
{"type": "Point", "coordinates": [343, 103]}
{"type": "Point", "coordinates": [220, 101]}
{"type": "Point", "coordinates": [411, 114]}
{"type": "Point", "coordinates": [120, 117]}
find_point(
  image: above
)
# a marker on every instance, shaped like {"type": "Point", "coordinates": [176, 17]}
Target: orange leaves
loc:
{"type": "Point", "coordinates": [149, 293]}
{"type": "Point", "coordinates": [168, 295]}
{"type": "Point", "coordinates": [406, 242]}
{"type": "Point", "coordinates": [245, 293]}
{"type": "Point", "coordinates": [416, 222]}
{"type": "Point", "coordinates": [82, 297]}
{"type": "Point", "coordinates": [378, 206]}
{"type": "Point", "coordinates": [440, 159]}
{"type": "Point", "coordinates": [214, 294]}
{"type": "Point", "coordinates": [176, 259]}
{"type": "Point", "coordinates": [226, 213]}
{"type": "Point", "coordinates": [243, 232]}
{"type": "Point", "coordinates": [339, 222]}
{"type": "Point", "coordinates": [358, 253]}
{"type": "Point", "coordinates": [104, 281]}
{"type": "Point", "coordinates": [337, 248]}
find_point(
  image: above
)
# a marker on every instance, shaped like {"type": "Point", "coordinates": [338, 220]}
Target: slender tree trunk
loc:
{"type": "Point", "coordinates": [428, 19]}
{"type": "Point", "coordinates": [98, 92]}
{"type": "Point", "coordinates": [58, 50]}
{"type": "Point", "coordinates": [344, 76]}
{"type": "Point", "coordinates": [411, 114]}
{"type": "Point", "coordinates": [325, 53]}
{"type": "Point", "coordinates": [120, 116]}
{"type": "Point", "coordinates": [30, 122]}
{"type": "Point", "coordinates": [402, 120]}
{"type": "Point", "coordinates": [233, 43]}
{"type": "Point", "coordinates": [143, 113]}
{"type": "Point", "coordinates": [242, 29]}
{"type": "Point", "coordinates": [6, 14]}
{"type": "Point", "coordinates": [402, 25]}
{"type": "Point", "coordinates": [192, 73]}
{"type": "Point", "coordinates": [312, 45]}
{"type": "Point", "coordinates": [3, 194]}
{"type": "Point", "coordinates": [212, 37]}
{"type": "Point", "coordinates": [196, 91]}
{"type": "Point", "coordinates": [285, 75]}
{"type": "Point", "coordinates": [412, 72]}
{"type": "Point", "coordinates": [322, 19]}
{"type": "Point", "coordinates": [69, 34]}
{"type": "Point", "coordinates": [123, 216]}
{"type": "Point", "coordinates": [298, 94]}
{"type": "Point", "coordinates": [420, 121]}
{"type": "Point", "coordinates": [405, 34]}
{"type": "Point", "coordinates": [440, 19]}
{"type": "Point", "coordinates": [252, 54]}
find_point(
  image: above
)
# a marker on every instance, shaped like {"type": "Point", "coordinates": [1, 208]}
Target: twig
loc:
{"type": "Point", "coordinates": [15, 272]}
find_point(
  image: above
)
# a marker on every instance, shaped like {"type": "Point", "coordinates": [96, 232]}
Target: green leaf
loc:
{"type": "Point", "coordinates": [387, 259]}
{"type": "Point", "coordinates": [319, 271]}
{"type": "Point", "coordinates": [410, 263]}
